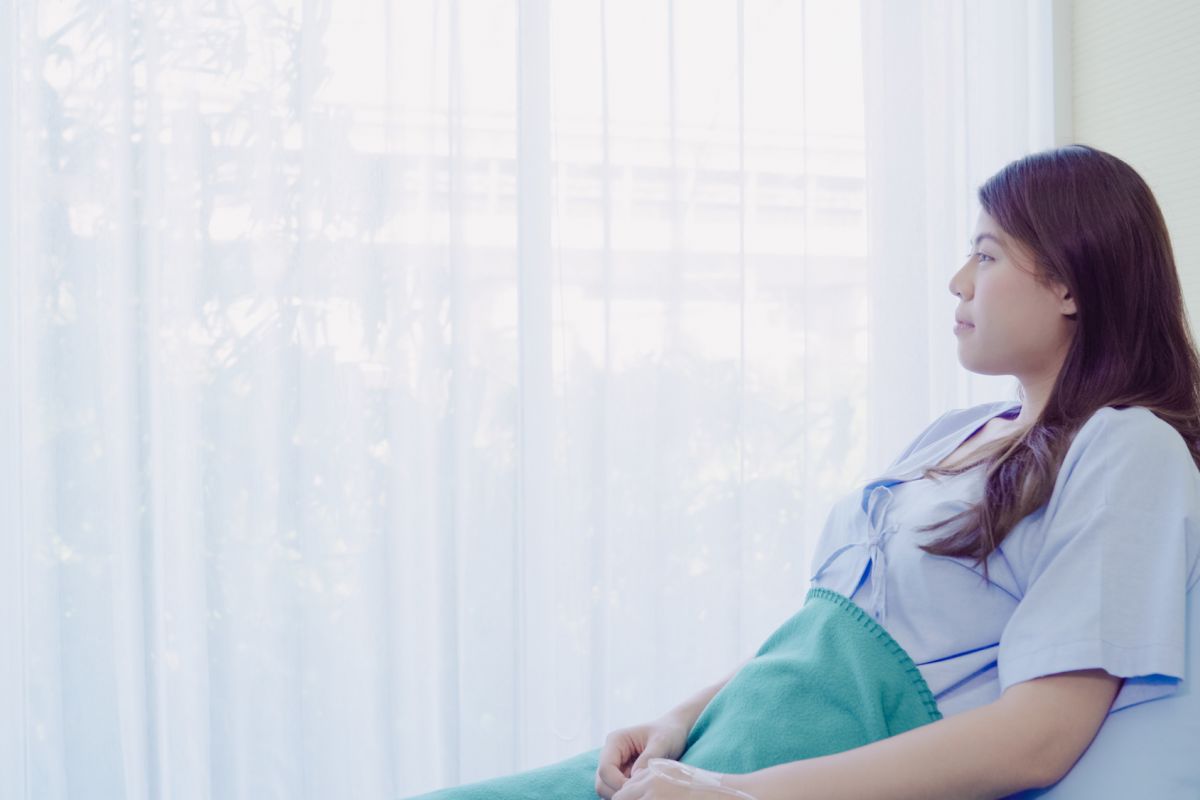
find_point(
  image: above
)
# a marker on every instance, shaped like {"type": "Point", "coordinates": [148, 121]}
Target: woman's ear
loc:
{"type": "Point", "coordinates": [1066, 303]}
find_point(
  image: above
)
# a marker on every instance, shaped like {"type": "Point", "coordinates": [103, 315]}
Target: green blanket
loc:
{"type": "Point", "coordinates": [827, 680]}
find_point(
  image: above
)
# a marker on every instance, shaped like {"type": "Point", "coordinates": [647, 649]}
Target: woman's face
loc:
{"type": "Point", "coordinates": [1018, 324]}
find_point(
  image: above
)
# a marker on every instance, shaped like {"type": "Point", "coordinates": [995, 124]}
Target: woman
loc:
{"type": "Point", "coordinates": [1068, 533]}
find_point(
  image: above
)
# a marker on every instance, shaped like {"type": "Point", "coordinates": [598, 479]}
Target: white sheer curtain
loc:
{"type": "Point", "coordinates": [402, 394]}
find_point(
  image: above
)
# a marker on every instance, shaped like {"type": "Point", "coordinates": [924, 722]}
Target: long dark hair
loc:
{"type": "Point", "coordinates": [1093, 225]}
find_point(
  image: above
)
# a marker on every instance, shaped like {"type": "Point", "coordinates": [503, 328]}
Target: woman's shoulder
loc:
{"type": "Point", "coordinates": [1131, 458]}
{"type": "Point", "coordinates": [1127, 429]}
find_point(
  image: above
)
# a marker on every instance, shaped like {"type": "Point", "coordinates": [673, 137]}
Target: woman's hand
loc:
{"type": "Point", "coordinates": [665, 779]}
{"type": "Point", "coordinates": [627, 750]}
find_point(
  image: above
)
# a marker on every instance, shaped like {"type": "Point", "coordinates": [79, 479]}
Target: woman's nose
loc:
{"type": "Point", "coordinates": [958, 282]}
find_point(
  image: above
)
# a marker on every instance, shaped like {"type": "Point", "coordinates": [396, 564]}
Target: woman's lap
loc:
{"type": "Point", "coordinates": [827, 680]}
{"type": "Point", "coordinates": [573, 778]}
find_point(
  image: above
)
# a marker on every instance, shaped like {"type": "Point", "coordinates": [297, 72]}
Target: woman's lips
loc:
{"type": "Point", "coordinates": [959, 327]}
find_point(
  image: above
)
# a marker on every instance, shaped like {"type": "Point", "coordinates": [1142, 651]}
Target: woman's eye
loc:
{"type": "Point", "coordinates": [982, 256]}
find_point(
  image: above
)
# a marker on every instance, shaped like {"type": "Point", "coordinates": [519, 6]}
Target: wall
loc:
{"type": "Point", "coordinates": [1135, 92]}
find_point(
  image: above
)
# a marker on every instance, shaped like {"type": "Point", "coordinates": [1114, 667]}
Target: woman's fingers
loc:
{"type": "Point", "coordinates": [650, 752]}
{"type": "Point", "coordinates": [609, 777]}
{"type": "Point", "coordinates": [608, 780]}
{"type": "Point", "coordinates": [635, 787]}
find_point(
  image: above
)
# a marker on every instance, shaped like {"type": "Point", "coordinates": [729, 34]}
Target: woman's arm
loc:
{"type": "Point", "coordinates": [689, 710]}
{"type": "Point", "coordinates": [1030, 737]}
{"type": "Point", "coordinates": [664, 737]}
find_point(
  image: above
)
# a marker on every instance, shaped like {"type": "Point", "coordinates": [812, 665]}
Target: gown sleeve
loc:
{"type": "Point", "coordinates": [1107, 570]}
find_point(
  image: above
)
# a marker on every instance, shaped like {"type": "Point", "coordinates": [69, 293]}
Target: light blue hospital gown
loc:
{"type": "Point", "coordinates": [1095, 579]}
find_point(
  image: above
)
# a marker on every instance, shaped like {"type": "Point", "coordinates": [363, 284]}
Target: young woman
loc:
{"type": "Point", "coordinates": [1016, 574]}
{"type": "Point", "coordinates": [1080, 502]}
